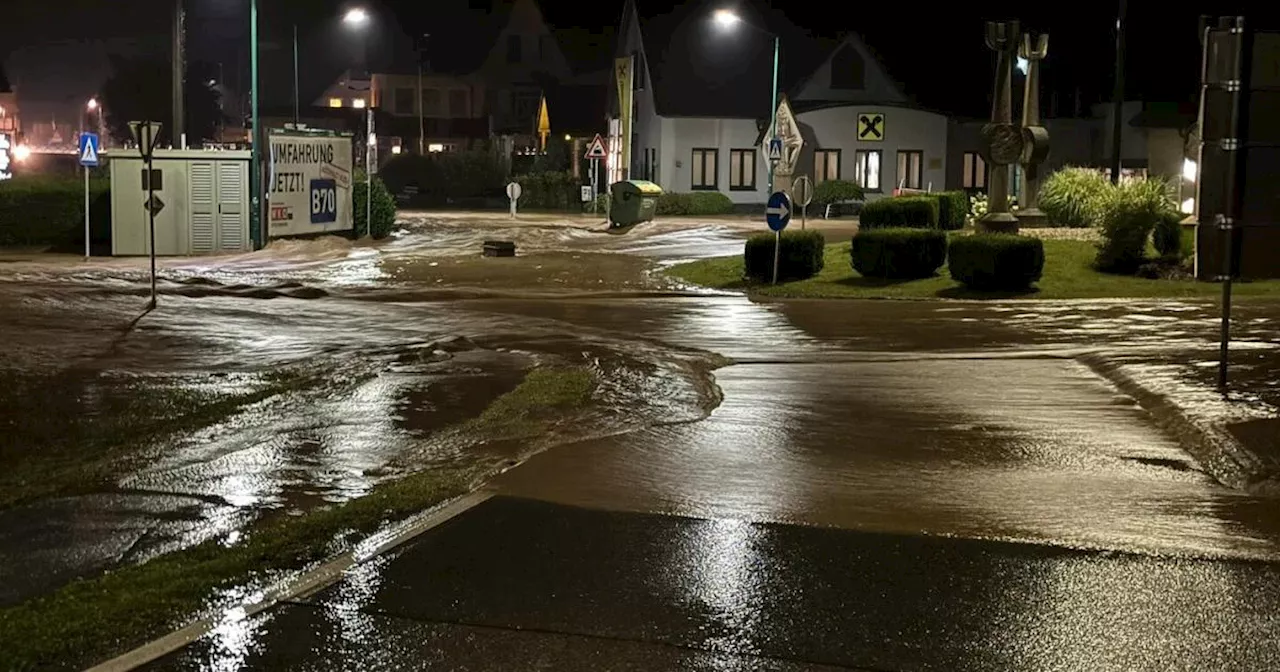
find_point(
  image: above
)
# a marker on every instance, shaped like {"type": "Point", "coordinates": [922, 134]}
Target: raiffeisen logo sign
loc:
{"type": "Point", "coordinates": [6, 157]}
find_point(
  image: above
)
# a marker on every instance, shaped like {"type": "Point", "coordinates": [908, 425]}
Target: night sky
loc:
{"type": "Point", "coordinates": [56, 50]}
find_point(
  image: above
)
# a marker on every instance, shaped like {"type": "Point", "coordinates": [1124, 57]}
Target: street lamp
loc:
{"type": "Point", "coordinates": [355, 16]}
{"type": "Point", "coordinates": [727, 19]}
{"type": "Point", "coordinates": [358, 18]}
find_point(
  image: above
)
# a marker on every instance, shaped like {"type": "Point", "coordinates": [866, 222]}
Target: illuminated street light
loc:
{"type": "Point", "coordinates": [725, 18]}
{"type": "Point", "coordinates": [356, 17]}
{"type": "Point", "coordinates": [92, 104]}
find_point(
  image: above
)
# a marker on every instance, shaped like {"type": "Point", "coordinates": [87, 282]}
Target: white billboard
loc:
{"type": "Point", "coordinates": [308, 185]}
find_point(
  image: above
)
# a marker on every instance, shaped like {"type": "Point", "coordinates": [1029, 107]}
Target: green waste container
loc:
{"type": "Point", "coordinates": [632, 202]}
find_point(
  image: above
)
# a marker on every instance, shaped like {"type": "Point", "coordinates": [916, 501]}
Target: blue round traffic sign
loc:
{"type": "Point", "coordinates": [778, 211]}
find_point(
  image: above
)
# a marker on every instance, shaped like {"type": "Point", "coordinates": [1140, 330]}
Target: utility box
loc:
{"type": "Point", "coordinates": [204, 197]}
{"type": "Point", "coordinates": [633, 201]}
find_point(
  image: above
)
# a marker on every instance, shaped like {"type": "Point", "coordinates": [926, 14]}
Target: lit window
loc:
{"type": "Point", "coordinates": [975, 171]}
{"type": "Point", "coordinates": [826, 165]}
{"type": "Point", "coordinates": [335, 102]}
{"type": "Point", "coordinates": [435, 148]}
{"type": "Point", "coordinates": [911, 169]}
{"type": "Point", "coordinates": [742, 169]}
{"type": "Point", "coordinates": [704, 170]}
{"type": "Point", "coordinates": [357, 102]}
{"type": "Point", "coordinates": [396, 149]}
{"type": "Point", "coordinates": [866, 169]}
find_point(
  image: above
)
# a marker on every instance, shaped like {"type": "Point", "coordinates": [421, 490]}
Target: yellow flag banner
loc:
{"type": "Point", "coordinates": [624, 68]}
{"type": "Point", "coordinates": [544, 123]}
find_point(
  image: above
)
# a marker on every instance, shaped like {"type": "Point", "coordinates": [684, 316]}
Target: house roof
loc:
{"type": "Point", "coordinates": [465, 52]}
{"type": "Point", "coordinates": [700, 70]}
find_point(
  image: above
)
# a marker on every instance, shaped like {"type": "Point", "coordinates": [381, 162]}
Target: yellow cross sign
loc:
{"type": "Point", "coordinates": [871, 127]}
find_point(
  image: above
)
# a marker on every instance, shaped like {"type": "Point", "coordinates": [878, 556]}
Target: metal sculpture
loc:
{"type": "Point", "coordinates": [1035, 137]}
{"type": "Point", "coordinates": [1002, 140]}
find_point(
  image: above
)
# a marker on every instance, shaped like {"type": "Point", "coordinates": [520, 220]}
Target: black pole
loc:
{"type": "Point", "coordinates": [1234, 145]}
{"type": "Point", "coordinates": [1117, 101]}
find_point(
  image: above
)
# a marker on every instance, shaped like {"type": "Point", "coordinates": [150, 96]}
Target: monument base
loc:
{"type": "Point", "coordinates": [1032, 218]}
{"type": "Point", "coordinates": [998, 222]}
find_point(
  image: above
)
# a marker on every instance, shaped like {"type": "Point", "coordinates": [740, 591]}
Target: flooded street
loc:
{"type": "Point", "coordinates": [310, 373]}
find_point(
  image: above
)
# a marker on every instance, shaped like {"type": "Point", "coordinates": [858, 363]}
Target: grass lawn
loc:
{"type": "Point", "coordinates": [92, 620]}
{"type": "Point", "coordinates": [1068, 274]}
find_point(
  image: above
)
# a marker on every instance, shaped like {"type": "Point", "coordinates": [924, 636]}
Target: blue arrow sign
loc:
{"type": "Point", "coordinates": [777, 214]}
{"type": "Point", "coordinates": [89, 150]}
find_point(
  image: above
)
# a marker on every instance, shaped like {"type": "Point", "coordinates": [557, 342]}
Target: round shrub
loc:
{"type": "Point", "coordinates": [898, 253]}
{"type": "Point", "coordinates": [1070, 196]}
{"type": "Point", "coordinates": [913, 212]}
{"type": "Point", "coordinates": [996, 261]}
{"type": "Point", "coordinates": [1128, 214]}
{"type": "Point", "coordinates": [1167, 236]}
{"type": "Point", "coordinates": [800, 256]}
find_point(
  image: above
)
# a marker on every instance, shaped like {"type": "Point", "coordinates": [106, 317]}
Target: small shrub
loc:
{"type": "Point", "coordinates": [384, 207]}
{"type": "Point", "coordinates": [953, 209]}
{"type": "Point", "coordinates": [898, 253]}
{"type": "Point", "coordinates": [1167, 236]}
{"type": "Point", "coordinates": [911, 212]}
{"type": "Point", "coordinates": [800, 256]}
{"type": "Point", "coordinates": [695, 203]}
{"type": "Point", "coordinates": [1071, 196]}
{"type": "Point", "coordinates": [1128, 214]}
{"type": "Point", "coordinates": [836, 191]}
{"type": "Point", "coordinates": [996, 261]}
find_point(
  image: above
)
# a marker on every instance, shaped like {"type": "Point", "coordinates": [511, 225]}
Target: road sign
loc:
{"type": "Point", "coordinates": [586, 193]}
{"type": "Point", "coordinates": [802, 191]}
{"type": "Point", "coordinates": [597, 150]}
{"type": "Point", "coordinates": [778, 211]}
{"type": "Point", "coordinates": [89, 150]}
{"type": "Point", "coordinates": [513, 193]}
{"type": "Point", "coordinates": [146, 134]}
{"type": "Point", "coordinates": [871, 127]}
{"type": "Point", "coordinates": [324, 201]}
{"type": "Point", "coordinates": [154, 205]}
{"type": "Point", "coordinates": [775, 149]}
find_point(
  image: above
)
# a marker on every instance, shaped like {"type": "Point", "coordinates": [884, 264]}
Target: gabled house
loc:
{"type": "Point", "coordinates": [703, 95]}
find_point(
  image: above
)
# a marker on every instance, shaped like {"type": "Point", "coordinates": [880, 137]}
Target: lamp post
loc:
{"type": "Point", "coordinates": [1117, 101]}
{"type": "Point", "coordinates": [255, 168]}
{"type": "Point", "coordinates": [727, 19]}
{"type": "Point", "coordinates": [358, 18]}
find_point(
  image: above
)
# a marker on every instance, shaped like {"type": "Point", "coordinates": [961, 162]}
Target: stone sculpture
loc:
{"type": "Point", "coordinates": [1034, 136]}
{"type": "Point", "coordinates": [1002, 140]}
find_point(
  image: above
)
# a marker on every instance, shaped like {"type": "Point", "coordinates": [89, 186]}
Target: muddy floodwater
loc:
{"type": "Point", "coordinates": [307, 374]}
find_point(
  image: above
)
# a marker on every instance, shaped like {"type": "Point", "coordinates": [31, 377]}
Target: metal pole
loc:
{"type": "Point", "coordinates": [777, 251]}
{"type": "Point", "coordinates": [369, 159]}
{"type": "Point", "coordinates": [179, 74]}
{"type": "Point", "coordinates": [1235, 168]}
{"type": "Point", "coordinates": [151, 220]}
{"type": "Point", "coordinates": [295, 74]}
{"type": "Point", "coordinates": [86, 213]}
{"type": "Point", "coordinates": [773, 114]}
{"type": "Point", "coordinates": [1118, 95]}
{"type": "Point", "coordinates": [255, 168]}
{"type": "Point", "coordinates": [422, 114]}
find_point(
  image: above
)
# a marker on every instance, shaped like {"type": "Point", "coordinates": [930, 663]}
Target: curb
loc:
{"type": "Point", "coordinates": [298, 585]}
{"type": "Point", "coordinates": [1222, 456]}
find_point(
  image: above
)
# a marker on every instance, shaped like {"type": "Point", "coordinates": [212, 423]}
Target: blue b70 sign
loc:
{"type": "Point", "coordinates": [324, 201]}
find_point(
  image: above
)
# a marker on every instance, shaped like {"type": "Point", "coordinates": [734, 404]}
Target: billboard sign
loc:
{"type": "Point", "coordinates": [309, 184]}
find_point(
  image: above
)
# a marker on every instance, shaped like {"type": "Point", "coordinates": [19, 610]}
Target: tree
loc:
{"type": "Point", "coordinates": [141, 89]}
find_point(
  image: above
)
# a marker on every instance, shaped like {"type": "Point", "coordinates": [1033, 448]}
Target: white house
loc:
{"type": "Point", "coordinates": [702, 98]}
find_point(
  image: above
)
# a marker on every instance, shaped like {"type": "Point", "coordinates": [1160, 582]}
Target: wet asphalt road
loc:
{"type": "Point", "coordinates": [517, 584]}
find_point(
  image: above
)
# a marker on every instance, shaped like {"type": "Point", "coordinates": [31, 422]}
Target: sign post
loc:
{"type": "Point", "coordinates": [596, 151]}
{"type": "Point", "coordinates": [802, 191]}
{"type": "Point", "coordinates": [88, 159]}
{"type": "Point", "coordinates": [777, 214]}
{"type": "Point", "coordinates": [370, 168]}
{"type": "Point", "coordinates": [145, 134]}
{"type": "Point", "coordinates": [513, 192]}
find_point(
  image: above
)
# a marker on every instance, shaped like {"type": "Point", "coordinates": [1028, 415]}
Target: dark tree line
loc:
{"type": "Point", "coordinates": [141, 89]}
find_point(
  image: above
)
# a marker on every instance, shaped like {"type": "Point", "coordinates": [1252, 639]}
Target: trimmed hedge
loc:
{"type": "Point", "coordinates": [444, 178]}
{"type": "Point", "coordinates": [953, 209]}
{"type": "Point", "coordinates": [910, 212]}
{"type": "Point", "coordinates": [384, 207]}
{"type": "Point", "coordinates": [694, 203]}
{"type": "Point", "coordinates": [800, 257]}
{"type": "Point", "coordinates": [898, 253]}
{"type": "Point", "coordinates": [996, 261]}
{"type": "Point", "coordinates": [836, 191]}
{"type": "Point", "coordinates": [550, 191]}
{"type": "Point", "coordinates": [50, 211]}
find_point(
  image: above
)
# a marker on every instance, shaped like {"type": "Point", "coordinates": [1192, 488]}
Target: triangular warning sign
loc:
{"type": "Point", "coordinates": [596, 149]}
{"type": "Point", "coordinates": [90, 154]}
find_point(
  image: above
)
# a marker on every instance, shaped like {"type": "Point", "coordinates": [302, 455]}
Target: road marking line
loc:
{"type": "Point", "coordinates": [300, 585]}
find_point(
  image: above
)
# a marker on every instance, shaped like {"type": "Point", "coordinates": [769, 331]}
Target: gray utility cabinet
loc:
{"type": "Point", "coordinates": [206, 202]}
